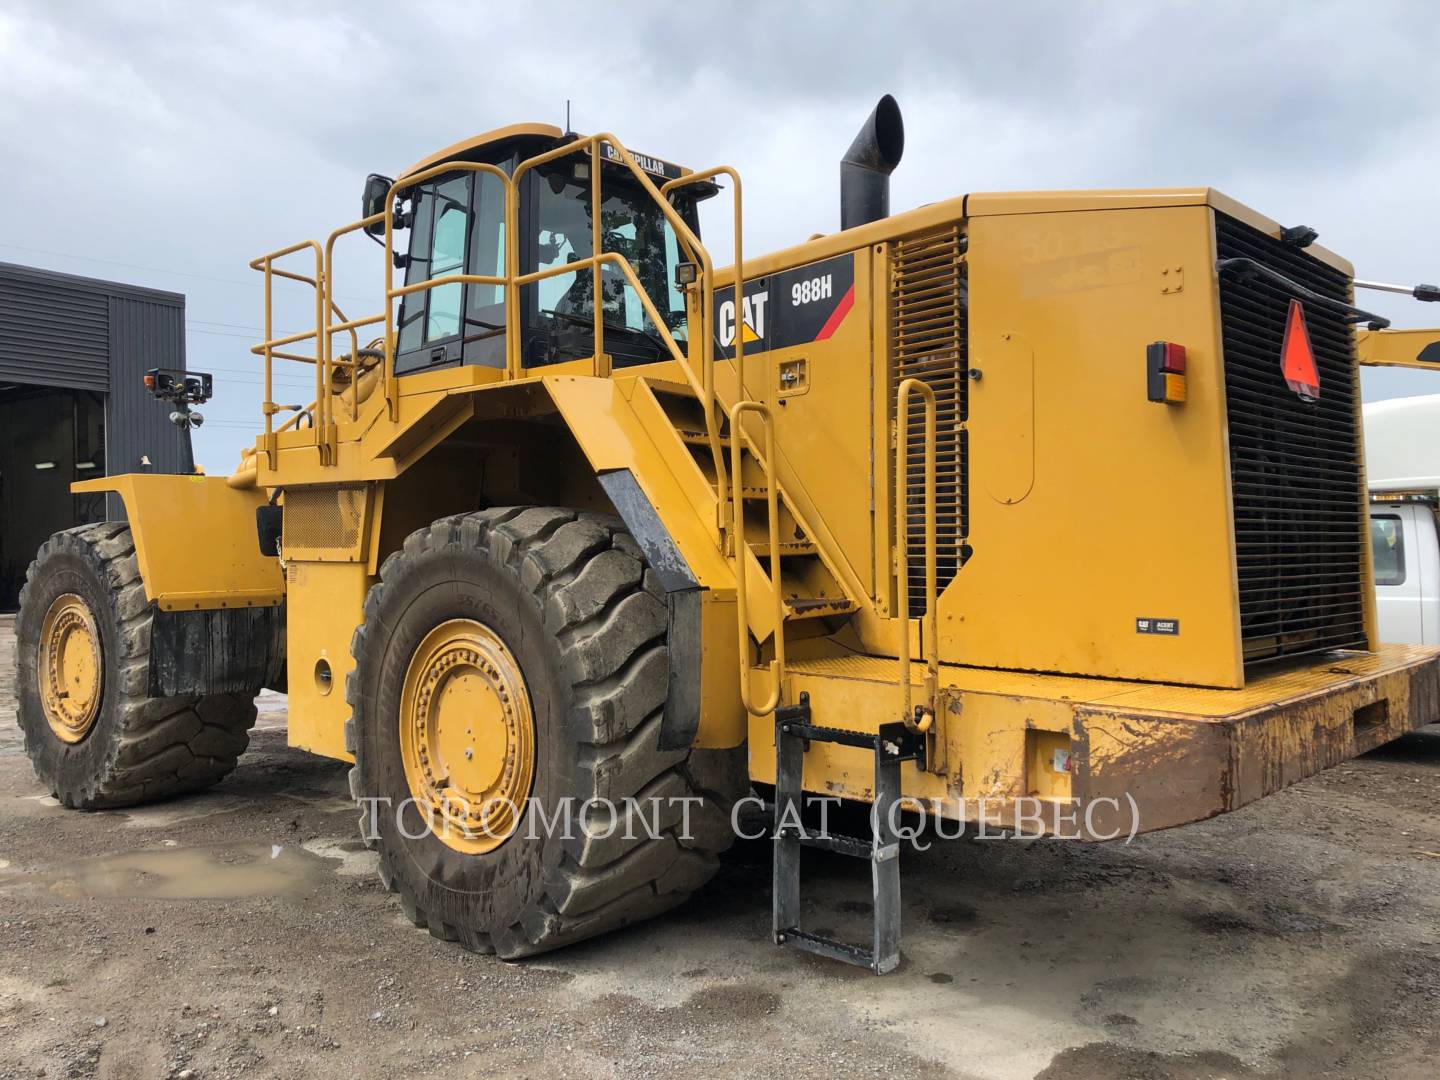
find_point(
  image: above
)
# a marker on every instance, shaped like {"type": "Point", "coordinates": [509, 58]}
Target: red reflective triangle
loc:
{"type": "Point", "coordinates": [1297, 361]}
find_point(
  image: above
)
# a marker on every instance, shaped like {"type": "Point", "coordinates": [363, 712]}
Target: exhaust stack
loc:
{"type": "Point", "coordinates": [866, 167]}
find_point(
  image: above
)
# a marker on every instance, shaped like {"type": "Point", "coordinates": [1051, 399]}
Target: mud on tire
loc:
{"type": "Point", "coordinates": [139, 748]}
{"type": "Point", "coordinates": [569, 593]}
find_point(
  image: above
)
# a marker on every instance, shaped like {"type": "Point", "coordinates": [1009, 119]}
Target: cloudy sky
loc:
{"type": "Point", "coordinates": [167, 144]}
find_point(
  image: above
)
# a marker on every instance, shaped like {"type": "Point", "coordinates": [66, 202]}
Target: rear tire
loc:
{"type": "Point", "coordinates": [569, 595]}
{"type": "Point", "coordinates": [131, 748]}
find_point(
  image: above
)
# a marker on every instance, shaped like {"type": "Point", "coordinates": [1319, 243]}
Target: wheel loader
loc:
{"type": "Point", "coordinates": [1038, 511]}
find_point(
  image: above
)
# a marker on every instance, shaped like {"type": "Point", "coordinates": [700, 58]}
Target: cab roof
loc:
{"type": "Point", "coordinates": [465, 147]}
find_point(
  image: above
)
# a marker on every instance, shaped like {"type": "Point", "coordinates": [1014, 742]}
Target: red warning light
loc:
{"type": "Point", "coordinates": [1297, 360]}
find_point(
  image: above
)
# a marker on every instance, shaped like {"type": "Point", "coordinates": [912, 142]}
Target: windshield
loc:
{"type": "Point", "coordinates": [559, 309]}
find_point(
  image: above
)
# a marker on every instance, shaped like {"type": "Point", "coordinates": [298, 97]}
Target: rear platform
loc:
{"type": "Point", "coordinates": [1038, 750]}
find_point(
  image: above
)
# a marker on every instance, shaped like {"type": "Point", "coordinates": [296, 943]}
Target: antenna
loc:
{"type": "Point", "coordinates": [567, 116]}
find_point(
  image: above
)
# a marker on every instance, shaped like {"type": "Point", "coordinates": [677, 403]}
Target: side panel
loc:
{"type": "Point", "coordinates": [326, 604]}
{"type": "Point", "coordinates": [1092, 507]}
{"type": "Point", "coordinates": [195, 540]}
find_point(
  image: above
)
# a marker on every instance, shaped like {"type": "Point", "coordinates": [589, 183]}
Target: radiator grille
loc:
{"type": "Point", "coordinates": [1295, 467]}
{"type": "Point", "coordinates": [323, 519]}
{"type": "Point", "coordinates": [929, 334]}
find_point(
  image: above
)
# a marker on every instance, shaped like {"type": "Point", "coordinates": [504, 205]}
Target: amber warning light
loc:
{"type": "Point", "coordinates": [1297, 359]}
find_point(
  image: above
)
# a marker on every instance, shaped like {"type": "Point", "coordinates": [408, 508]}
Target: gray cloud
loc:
{"type": "Point", "coordinates": [188, 138]}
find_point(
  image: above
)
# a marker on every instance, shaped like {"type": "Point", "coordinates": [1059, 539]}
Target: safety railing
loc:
{"type": "Point", "coordinates": [696, 360]}
{"type": "Point", "coordinates": [707, 319]}
{"type": "Point", "coordinates": [273, 348]}
{"type": "Point", "coordinates": [917, 717]}
{"type": "Point", "coordinates": [742, 574]}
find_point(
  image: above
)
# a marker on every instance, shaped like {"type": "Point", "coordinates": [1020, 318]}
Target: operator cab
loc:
{"type": "Point", "coordinates": [456, 225]}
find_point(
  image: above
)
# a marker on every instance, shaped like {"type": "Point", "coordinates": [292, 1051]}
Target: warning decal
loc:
{"type": "Point", "coordinates": [794, 307]}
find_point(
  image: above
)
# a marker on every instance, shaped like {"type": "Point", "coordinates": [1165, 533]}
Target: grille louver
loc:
{"type": "Point", "coordinates": [1294, 466]}
{"type": "Point", "coordinates": [929, 335]}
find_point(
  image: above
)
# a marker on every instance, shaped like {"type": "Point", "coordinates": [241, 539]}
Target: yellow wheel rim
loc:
{"type": "Point", "coordinates": [72, 670]}
{"type": "Point", "coordinates": [467, 736]}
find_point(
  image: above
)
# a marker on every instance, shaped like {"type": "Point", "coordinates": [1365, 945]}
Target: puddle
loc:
{"type": "Point", "coordinates": [223, 872]}
{"type": "Point", "coordinates": [356, 860]}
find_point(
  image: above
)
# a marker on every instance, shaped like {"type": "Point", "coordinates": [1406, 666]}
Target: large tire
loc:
{"type": "Point", "coordinates": [137, 748]}
{"type": "Point", "coordinates": [569, 594]}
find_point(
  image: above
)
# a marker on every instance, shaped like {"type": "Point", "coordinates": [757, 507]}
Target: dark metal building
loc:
{"type": "Point", "coordinates": [73, 405]}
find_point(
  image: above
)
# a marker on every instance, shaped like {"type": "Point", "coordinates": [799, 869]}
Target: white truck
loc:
{"type": "Point", "coordinates": [1402, 458]}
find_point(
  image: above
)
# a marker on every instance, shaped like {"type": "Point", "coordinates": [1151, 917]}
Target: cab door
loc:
{"type": "Point", "coordinates": [458, 226]}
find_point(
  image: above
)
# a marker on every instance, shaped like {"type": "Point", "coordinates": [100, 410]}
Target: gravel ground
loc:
{"type": "Point", "coordinates": [242, 933]}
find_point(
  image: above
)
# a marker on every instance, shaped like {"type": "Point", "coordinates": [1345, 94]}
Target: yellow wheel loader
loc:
{"type": "Point", "coordinates": [1040, 511]}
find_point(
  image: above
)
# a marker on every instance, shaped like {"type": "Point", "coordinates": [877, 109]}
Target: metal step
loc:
{"type": "Point", "coordinates": [761, 548]}
{"type": "Point", "coordinates": [817, 607]}
{"type": "Point", "coordinates": [891, 744]}
{"type": "Point", "coordinates": [697, 438]}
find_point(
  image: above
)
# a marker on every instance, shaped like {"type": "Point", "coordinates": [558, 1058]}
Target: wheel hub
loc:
{"type": "Point", "coordinates": [467, 735]}
{"type": "Point", "coordinates": [72, 670]}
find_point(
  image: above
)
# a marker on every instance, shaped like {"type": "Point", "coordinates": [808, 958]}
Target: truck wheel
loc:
{"type": "Point", "coordinates": [92, 732]}
{"type": "Point", "coordinates": [509, 684]}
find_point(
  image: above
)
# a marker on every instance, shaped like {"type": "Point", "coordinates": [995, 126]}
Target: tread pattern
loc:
{"type": "Point", "coordinates": [158, 747]}
{"type": "Point", "coordinates": [607, 612]}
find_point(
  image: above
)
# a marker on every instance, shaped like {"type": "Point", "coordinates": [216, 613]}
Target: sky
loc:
{"type": "Point", "coordinates": [168, 144]}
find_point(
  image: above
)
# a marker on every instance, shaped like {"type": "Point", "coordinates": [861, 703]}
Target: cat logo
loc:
{"type": "Point", "coordinates": [754, 325]}
{"type": "Point", "coordinates": [811, 303]}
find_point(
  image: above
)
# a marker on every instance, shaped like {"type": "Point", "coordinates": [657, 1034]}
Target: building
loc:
{"type": "Point", "coordinates": [73, 405]}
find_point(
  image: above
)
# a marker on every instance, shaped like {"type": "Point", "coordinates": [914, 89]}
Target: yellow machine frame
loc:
{"type": "Point", "coordinates": [1054, 262]}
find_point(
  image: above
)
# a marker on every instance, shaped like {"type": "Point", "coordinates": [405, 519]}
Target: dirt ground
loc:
{"type": "Point", "coordinates": [243, 933]}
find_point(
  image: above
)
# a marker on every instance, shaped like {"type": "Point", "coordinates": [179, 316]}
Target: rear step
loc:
{"type": "Point", "coordinates": [892, 744]}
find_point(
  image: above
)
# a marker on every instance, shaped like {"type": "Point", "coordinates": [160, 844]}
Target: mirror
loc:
{"type": "Point", "coordinates": [377, 190]}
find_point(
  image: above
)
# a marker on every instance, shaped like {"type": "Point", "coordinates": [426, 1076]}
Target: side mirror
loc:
{"type": "Point", "coordinates": [375, 201]}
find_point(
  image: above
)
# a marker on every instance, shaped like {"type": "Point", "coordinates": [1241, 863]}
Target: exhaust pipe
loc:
{"type": "Point", "coordinates": [866, 167]}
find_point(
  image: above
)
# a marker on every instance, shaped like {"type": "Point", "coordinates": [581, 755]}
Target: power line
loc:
{"type": "Point", "coordinates": [249, 284]}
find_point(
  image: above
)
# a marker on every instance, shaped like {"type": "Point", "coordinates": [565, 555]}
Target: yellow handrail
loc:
{"type": "Point", "coordinates": [700, 376]}
{"type": "Point", "coordinates": [704, 381]}
{"type": "Point", "coordinates": [707, 319]}
{"type": "Point", "coordinates": [268, 346]}
{"type": "Point", "coordinates": [350, 324]}
{"type": "Point", "coordinates": [923, 717]}
{"type": "Point", "coordinates": [742, 619]}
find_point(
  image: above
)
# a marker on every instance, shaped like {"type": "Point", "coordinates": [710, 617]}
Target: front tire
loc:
{"type": "Point", "coordinates": [560, 604]}
{"type": "Point", "coordinates": [93, 733]}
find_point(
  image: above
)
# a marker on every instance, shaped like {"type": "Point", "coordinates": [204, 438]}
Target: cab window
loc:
{"type": "Point", "coordinates": [559, 311]}
{"type": "Point", "coordinates": [458, 227]}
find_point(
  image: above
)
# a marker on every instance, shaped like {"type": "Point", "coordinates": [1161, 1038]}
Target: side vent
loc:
{"type": "Point", "coordinates": [929, 337]}
{"type": "Point", "coordinates": [324, 523]}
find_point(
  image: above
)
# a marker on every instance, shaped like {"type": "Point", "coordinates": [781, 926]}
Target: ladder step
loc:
{"type": "Point", "coordinates": [852, 846]}
{"type": "Point", "coordinates": [761, 548]}
{"type": "Point", "coordinates": [865, 740]}
{"type": "Point", "coordinates": [818, 607]}
{"type": "Point", "coordinates": [834, 950]}
{"type": "Point", "coordinates": [890, 745]}
{"type": "Point", "coordinates": [695, 438]}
